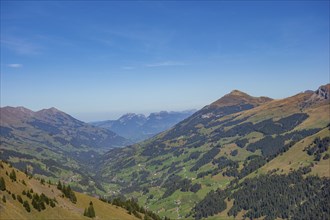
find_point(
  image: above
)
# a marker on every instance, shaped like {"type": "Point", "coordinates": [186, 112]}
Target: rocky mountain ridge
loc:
{"type": "Point", "coordinates": [137, 127]}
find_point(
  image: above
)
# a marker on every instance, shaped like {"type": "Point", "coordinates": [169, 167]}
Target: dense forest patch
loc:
{"type": "Point", "coordinates": [206, 158]}
{"type": "Point", "coordinates": [318, 147]}
{"type": "Point", "coordinates": [283, 196]}
{"type": "Point", "coordinates": [272, 196]}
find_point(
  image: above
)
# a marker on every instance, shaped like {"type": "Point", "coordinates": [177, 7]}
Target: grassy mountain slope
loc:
{"type": "Point", "coordinates": [53, 144]}
{"type": "Point", "coordinates": [228, 140]}
{"type": "Point", "coordinates": [64, 208]}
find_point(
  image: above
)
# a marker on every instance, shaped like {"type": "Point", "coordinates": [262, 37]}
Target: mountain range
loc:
{"type": "Point", "coordinates": [138, 127]}
{"type": "Point", "coordinates": [53, 143]}
{"type": "Point", "coordinates": [239, 157]}
{"type": "Point", "coordinates": [192, 169]}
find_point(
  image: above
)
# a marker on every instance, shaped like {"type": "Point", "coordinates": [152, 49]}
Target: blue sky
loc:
{"type": "Point", "coordinates": [97, 60]}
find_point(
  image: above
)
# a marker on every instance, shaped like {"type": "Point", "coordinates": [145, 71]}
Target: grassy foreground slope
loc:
{"type": "Point", "coordinates": [64, 208]}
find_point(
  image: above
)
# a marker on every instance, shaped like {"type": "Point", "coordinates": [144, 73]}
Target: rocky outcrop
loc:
{"type": "Point", "coordinates": [323, 91]}
{"type": "Point", "coordinates": [320, 96]}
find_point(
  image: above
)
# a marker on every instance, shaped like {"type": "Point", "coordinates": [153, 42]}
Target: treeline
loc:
{"type": "Point", "coordinates": [134, 208]}
{"type": "Point", "coordinates": [272, 196]}
{"type": "Point", "coordinates": [39, 202]}
{"type": "Point", "coordinates": [267, 127]}
{"type": "Point", "coordinates": [230, 167]}
{"type": "Point", "coordinates": [251, 164]}
{"type": "Point", "coordinates": [224, 162]}
{"type": "Point", "coordinates": [206, 158]}
{"type": "Point", "coordinates": [283, 196]}
{"type": "Point", "coordinates": [193, 156]}
{"type": "Point", "coordinates": [241, 143]}
{"type": "Point", "coordinates": [213, 203]}
{"type": "Point", "coordinates": [318, 147]}
{"type": "Point", "coordinates": [175, 182]}
{"type": "Point", "coordinates": [67, 192]}
{"type": "Point", "coordinates": [271, 146]}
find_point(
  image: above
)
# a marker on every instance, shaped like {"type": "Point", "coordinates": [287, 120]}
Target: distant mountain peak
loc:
{"type": "Point", "coordinates": [236, 92]}
{"type": "Point", "coordinates": [18, 108]}
{"type": "Point", "coordinates": [138, 127]}
{"type": "Point", "coordinates": [52, 121]}
{"type": "Point", "coordinates": [130, 116]}
{"type": "Point", "coordinates": [25, 110]}
{"type": "Point", "coordinates": [13, 115]}
{"type": "Point", "coordinates": [50, 111]}
{"type": "Point", "coordinates": [54, 109]}
{"type": "Point", "coordinates": [237, 97]}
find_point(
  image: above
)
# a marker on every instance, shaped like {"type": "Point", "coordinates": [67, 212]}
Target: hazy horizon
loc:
{"type": "Point", "coordinates": [98, 60]}
{"type": "Point", "coordinates": [114, 115]}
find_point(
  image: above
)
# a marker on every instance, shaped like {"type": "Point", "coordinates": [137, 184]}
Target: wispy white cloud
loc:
{"type": "Point", "coordinates": [165, 63]}
{"type": "Point", "coordinates": [21, 46]}
{"type": "Point", "coordinates": [128, 67]}
{"type": "Point", "coordinates": [15, 65]}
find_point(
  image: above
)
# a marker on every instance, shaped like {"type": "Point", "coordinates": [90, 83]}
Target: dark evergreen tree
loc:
{"type": "Point", "coordinates": [12, 175]}
{"type": "Point", "coordinates": [19, 198]}
{"type": "Point", "coordinates": [27, 206]}
{"type": "Point", "coordinates": [2, 184]}
{"type": "Point", "coordinates": [29, 195]}
{"type": "Point", "coordinates": [38, 202]}
{"type": "Point", "coordinates": [90, 212]}
{"type": "Point", "coordinates": [71, 195]}
{"type": "Point", "coordinates": [59, 185]}
{"type": "Point", "coordinates": [52, 203]}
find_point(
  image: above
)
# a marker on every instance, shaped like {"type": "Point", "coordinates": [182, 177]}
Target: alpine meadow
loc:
{"type": "Point", "coordinates": [159, 110]}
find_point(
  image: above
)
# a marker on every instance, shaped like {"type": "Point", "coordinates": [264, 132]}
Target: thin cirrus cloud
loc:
{"type": "Point", "coordinates": [21, 46]}
{"type": "Point", "coordinates": [15, 65]}
{"type": "Point", "coordinates": [165, 64]}
{"type": "Point", "coordinates": [128, 67]}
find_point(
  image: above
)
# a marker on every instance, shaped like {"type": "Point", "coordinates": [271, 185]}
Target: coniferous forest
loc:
{"type": "Point", "coordinates": [292, 196]}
